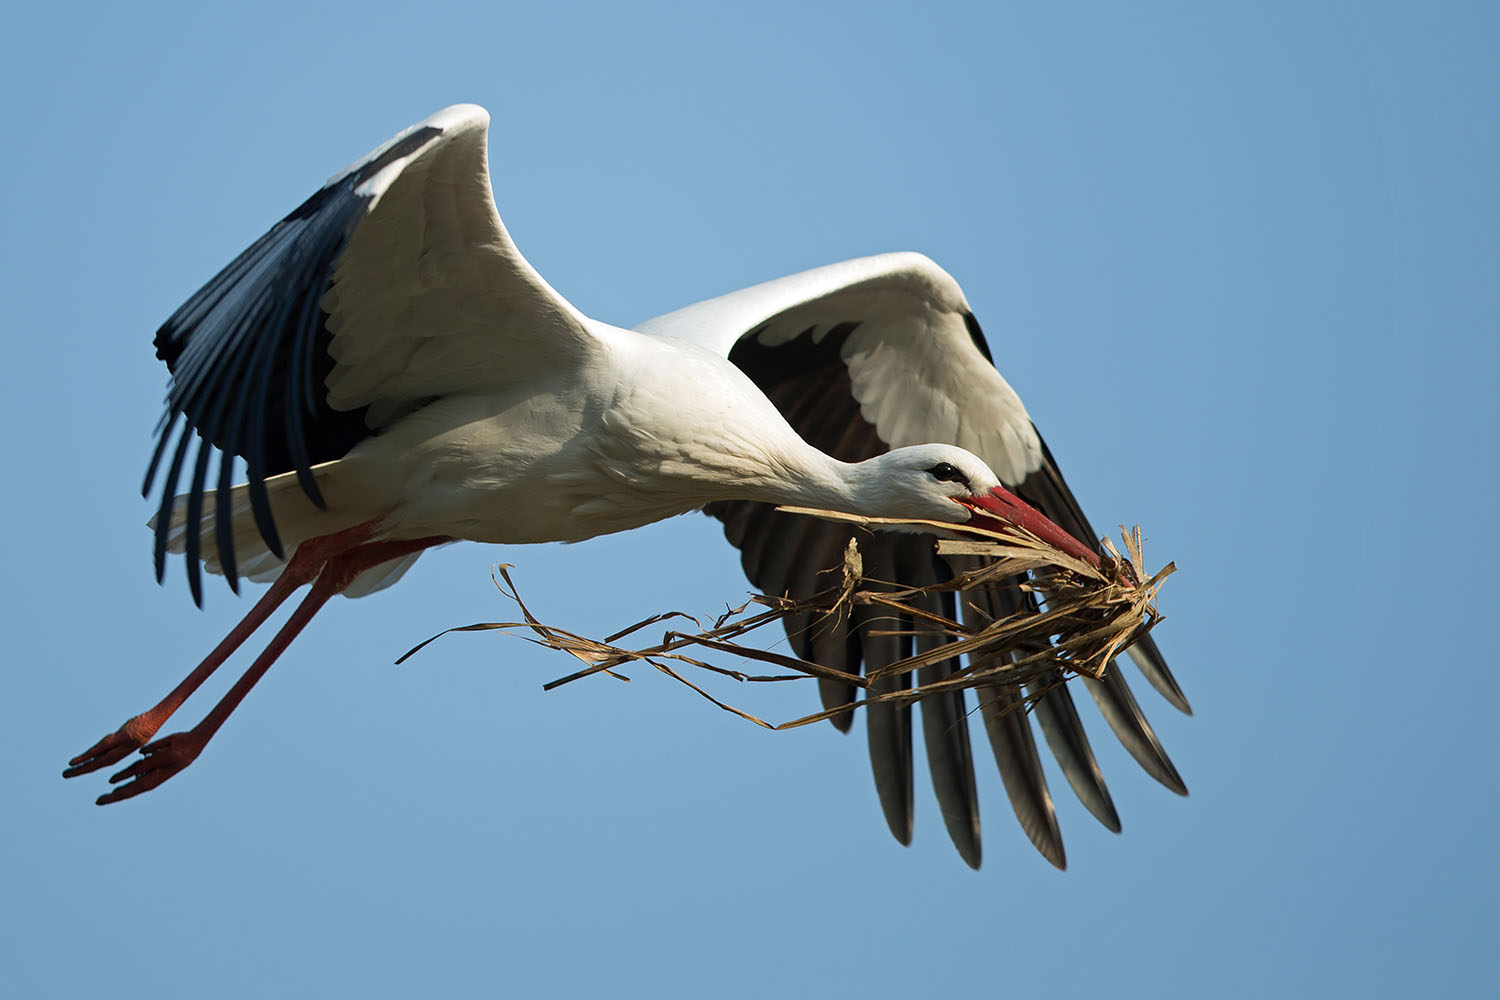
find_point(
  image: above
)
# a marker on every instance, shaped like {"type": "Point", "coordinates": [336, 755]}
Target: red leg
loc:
{"type": "Point", "coordinates": [169, 755]}
{"type": "Point", "coordinates": [305, 565]}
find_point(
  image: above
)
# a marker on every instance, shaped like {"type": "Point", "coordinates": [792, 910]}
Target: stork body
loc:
{"type": "Point", "coordinates": [396, 376]}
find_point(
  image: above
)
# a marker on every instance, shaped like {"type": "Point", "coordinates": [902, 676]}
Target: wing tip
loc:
{"type": "Point", "coordinates": [455, 119]}
{"type": "Point", "coordinates": [902, 833]}
{"type": "Point", "coordinates": [1148, 659]}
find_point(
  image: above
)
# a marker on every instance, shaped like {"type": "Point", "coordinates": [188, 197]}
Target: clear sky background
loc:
{"type": "Point", "coordinates": [1241, 260]}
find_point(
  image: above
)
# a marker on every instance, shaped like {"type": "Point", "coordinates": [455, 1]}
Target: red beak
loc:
{"type": "Point", "coordinates": [1008, 509]}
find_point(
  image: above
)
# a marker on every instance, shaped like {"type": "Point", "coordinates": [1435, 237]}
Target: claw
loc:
{"type": "Point", "coordinates": [113, 748]}
{"type": "Point", "coordinates": [159, 761]}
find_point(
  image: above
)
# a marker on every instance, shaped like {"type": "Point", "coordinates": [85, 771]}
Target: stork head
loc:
{"type": "Point", "coordinates": [938, 482]}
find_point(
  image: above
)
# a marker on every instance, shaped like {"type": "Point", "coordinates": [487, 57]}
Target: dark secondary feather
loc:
{"type": "Point", "coordinates": [808, 381]}
{"type": "Point", "coordinates": [249, 356]}
{"type": "Point", "coordinates": [785, 553]}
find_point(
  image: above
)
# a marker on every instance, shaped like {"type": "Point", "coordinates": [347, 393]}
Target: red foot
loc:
{"type": "Point", "coordinates": [115, 747]}
{"type": "Point", "coordinates": [159, 761]}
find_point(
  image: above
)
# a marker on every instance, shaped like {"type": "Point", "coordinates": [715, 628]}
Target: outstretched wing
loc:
{"type": "Point", "coordinates": [879, 353]}
{"type": "Point", "coordinates": [392, 286]}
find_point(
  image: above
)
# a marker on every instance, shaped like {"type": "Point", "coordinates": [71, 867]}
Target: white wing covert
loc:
{"type": "Point", "coordinates": [917, 364]}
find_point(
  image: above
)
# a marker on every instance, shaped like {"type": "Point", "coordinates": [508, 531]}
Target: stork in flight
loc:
{"type": "Point", "coordinates": [395, 376]}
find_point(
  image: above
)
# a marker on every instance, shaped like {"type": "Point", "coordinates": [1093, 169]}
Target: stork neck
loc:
{"type": "Point", "coordinates": [813, 479]}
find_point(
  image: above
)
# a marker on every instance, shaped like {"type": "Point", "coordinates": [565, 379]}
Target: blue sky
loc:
{"type": "Point", "coordinates": [1240, 260]}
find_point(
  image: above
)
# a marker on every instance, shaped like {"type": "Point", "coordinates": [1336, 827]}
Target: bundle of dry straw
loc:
{"type": "Point", "coordinates": [1083, 618]}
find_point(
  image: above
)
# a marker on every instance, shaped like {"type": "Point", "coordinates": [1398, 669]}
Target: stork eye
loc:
{"type": "Point", "coordinates": [945, 473]}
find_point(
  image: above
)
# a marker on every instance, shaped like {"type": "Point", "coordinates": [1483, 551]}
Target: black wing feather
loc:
{"type": "Point", "coordinates": [887, 724]}
{"type": "Point", "coordinates": [945, 717]}
{"type": "Point", "coordinates": [249, 357]}
{"type": "Point", "coordinates": [1003, 708]}
{"type": "Point", "coordinates": [785, 553]}
{"type": "Point", "coordinates": [1052, 704]}
{"type": "Point", "coordinates": [1047, 491]}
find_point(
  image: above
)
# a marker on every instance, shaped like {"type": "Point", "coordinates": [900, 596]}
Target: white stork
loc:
{"type": "Point", "coordinates": [395, 376]}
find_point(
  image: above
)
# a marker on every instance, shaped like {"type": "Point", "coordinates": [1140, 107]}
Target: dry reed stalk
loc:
{"type": "Point", "coordinates": [1085, 618]}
